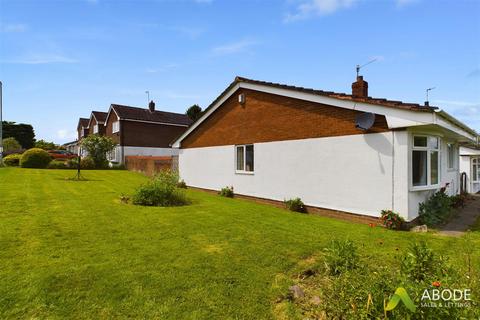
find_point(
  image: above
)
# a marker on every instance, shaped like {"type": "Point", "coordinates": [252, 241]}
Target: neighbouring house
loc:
{"type": "Point", "coordinates": [340, 152]}
{"type": "Point", "coordinates": [96, 123]}
{"type": "Point", "coordinates": [143, 132]}
{"type": "Point", "coordinates": [82, 131]}
{"type": "Point", "coordinates": [470, 165]}
{"type": "Point", "coordinates": [71, 146]}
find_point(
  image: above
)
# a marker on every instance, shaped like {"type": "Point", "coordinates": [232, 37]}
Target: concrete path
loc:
{"type": "Point", "coordinates": [464, 219]}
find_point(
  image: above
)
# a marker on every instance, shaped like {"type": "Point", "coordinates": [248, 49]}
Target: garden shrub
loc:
{"type": "Point", "coordinates": [392, 220]}
{"type": "Point", "coordinates": [341, 256]}
{"type": "Point", "coordinates": [10, 144]}
{"type": "Point", "coordinates": [35, 158]}
{"type": "Point", "coordinates": [458, 200]}
{"type": "Point", "coordinates": [12, 160]}
{"type": "Point", "coordinates": [296, 205]}
{"type": "Point", "coordinates": [98, 147]}
{"type": "Point", "coordinates": [57, 164]}
{"type": "Point", "coordinates": [182, 184]}
{"type": "Point", "coordinates": [161, 191]}
{"type": "Point", "coordinates": [436, 209]}
{"type": "Point", "coordinates": [87, 163]}
{"type": "Point", "coordinates": [227, 192]}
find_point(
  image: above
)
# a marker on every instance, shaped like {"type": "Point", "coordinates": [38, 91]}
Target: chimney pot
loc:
{"type": "Point", "coordinates": [360, 88]}
{"type": "Point", "coordinates": [151, 106]}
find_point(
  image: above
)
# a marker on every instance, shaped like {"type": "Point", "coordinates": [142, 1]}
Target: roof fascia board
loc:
{"type": "Point", "coordinates": [108, 114]}
{"type": "Point", "coordinates": [444, 120]}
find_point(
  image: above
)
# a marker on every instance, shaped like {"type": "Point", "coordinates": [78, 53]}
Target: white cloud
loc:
{"type": "Point", "coordinates": [41, 59]}
{"type": "Point", "coordinates": [65, 134]}
{"type": "Point", "coordinates": [234, 47]}
{"type": "Point", "coordinates": [162, 68]}
{"type": "Point", "coordinates": [314, 8]}
{"type": "Point", "coordinates": [19, 27]}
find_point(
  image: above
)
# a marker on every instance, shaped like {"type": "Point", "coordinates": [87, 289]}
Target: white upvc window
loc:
{"type": "Point", "coordinates": [95, 128]}
{"type": "Point", "coordinates": [475, 169]}
{"type": "Point", "coordinates": [113, 155]}
{"type": "Point", "coordinates": [82, 132]}
{"type": "Point", "coordinates": [244, 159]}
{"type": "Point", "coordinates": [116, 127]}
{"type": "Point", "coordinates": [451, 155]}
{"type": "Point", "coordinates": [425, 161]}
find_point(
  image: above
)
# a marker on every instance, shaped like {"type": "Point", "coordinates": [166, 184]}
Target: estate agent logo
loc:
{"type": "Point", "coordinates": [400, 295]}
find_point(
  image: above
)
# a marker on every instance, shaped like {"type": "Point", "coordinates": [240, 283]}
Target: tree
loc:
{"type": "Point", "coordinates": [11, 144]}
{"type": "Point", "coordinates": [194, 112]}
{"type": "Point", "coordinates": [23, 133]}
{"type": "Point", "coordinates": [42, 144]}
{"type": "Point", "coordinates": [98, 147]}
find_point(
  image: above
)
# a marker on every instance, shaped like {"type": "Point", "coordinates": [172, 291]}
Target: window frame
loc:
{"type": "Point", "coordinates": [429, 151]}
{"type": "Point", "coordinates": [477, 164]}
{"type": "Point", "coordinates": [95, 129]}
{"type": "Point", "coordinates": [451, 147]}
{"type": "Point", "coordinates": [244, 147]}
{"type": "Point", "coordinates": [118, 126]}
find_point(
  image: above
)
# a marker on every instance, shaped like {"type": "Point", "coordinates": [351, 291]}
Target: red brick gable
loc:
{"type": "Point", "coordinates": [266, 117]}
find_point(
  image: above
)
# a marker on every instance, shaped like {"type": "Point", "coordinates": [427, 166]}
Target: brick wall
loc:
{"type": "Point", "coordinates": [101, 127]}
{"type": "Point", "coordinates": [148, 165]}
{"type": "Point", "coordinates": [141, 134]}
{"type": "Point", "coordinates": [267, 117]}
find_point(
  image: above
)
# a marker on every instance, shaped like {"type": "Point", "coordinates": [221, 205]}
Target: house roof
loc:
{"type": "Point", "coordinates": [141, 114]}
{"type": "Point", "coordinates": [419, 114]}
{"type": "Point", "coordinates": [83, 122]}
{"type": "Point", "coordinates": [342, 96]}
{"type": "Point", "coordinates": [100, 116]}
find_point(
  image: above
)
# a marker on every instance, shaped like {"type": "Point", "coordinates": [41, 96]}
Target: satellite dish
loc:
{"type": "Point", "coordinates": [364, 121]}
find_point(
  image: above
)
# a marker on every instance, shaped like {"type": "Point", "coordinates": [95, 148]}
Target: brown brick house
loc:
{"type": "Point", "coordinates": [82, 128]}
{"type": "Point", "coordinates": [96, 123]}
{"type": "Point", "coordinates": [342, 152]}
{"type": "Point", "coordinates": [143, 132]}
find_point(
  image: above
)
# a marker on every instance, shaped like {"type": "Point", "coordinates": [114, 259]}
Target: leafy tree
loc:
{"type": "Point", "coordinates": [23, 133]}
{"type": "Point", "coordinates": [194, 112]}
{"type": "Point", "coordinates": [10, 144]}
{"type": "Point", "coordinates": [45, 145]}
{"type": "Point", "coordinates": [98, 147]}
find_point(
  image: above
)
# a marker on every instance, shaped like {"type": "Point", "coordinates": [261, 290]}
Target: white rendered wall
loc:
{"type": "Point", "coordinates": [144, 151]}
{"type": "Point", "coordinates": [347, 173]}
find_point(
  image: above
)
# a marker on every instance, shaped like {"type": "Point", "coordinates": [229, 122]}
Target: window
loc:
{"type": "Point", "coordinates": [476, 169]}
{"type": "Point", "coordinates": [425, 161]}
{"type": "Point", "coordinates": [451, 155]}
{"type": "Point", "coordinates": [95, 128]}
{"type": "Point", "coordinates": [116, 126]}
{"type": "Point", "coordinates": [244, 158]}
{"type": "Point", "coordinates": [113, 155]}
{"type": "Point", "coordinates": [82, 132]}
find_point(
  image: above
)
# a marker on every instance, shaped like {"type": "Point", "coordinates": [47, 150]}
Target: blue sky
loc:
{"type": "Point", "coordinates": [61, 59]}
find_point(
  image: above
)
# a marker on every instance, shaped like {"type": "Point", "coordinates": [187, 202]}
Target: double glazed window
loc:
{"type": "Point", "coordinates": [116, 127]}
{"type": "Point", "coordinates": [95, 128]}
{"type": "Point", "coordinates": [476, 169]}
{"type": "Point", "coordinates": [244, 158]}
{"type": "Point", "coordinates": [425, 161]}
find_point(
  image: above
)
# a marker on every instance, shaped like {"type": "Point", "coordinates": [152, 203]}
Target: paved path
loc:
{"type": "Point", "coordinates": [464, 219]}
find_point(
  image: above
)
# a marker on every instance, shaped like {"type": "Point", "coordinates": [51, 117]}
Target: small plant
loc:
{"type": "Point", "coordinates": [124, 199]}
{"type": "Point", "coordinates": [227, 192]}
{"type": "Point", "coordinates": [56, 164]}
{"type": "Point", "coordinates": [420, 263]}
{"type": "Point", "coordinates": [458, 201]}
{"type": "Point", "coordinates": [436, 209]}
{"type": "Point", "coordinates": [12, 160]}
{"type": "Point", "coordinates": [35, 158]}
{"type": "Point", "coordinates": [341, 256]}
{"type": "Point", "coordinates": [87, 163]}
{"type": "Point", "coordinates": [161, 191]}
{"type": "Point", "coordinates": [181, 184]}
{"type": "Point", "coordinates": [296, 205]}
{"type": "Point", "coordinates": [392, 220]}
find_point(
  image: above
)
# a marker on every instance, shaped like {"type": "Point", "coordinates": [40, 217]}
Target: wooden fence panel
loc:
{"type": "Point", "coordinates": [148, 165]}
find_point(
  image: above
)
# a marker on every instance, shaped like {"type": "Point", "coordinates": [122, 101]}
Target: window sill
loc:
{"type": "Point", "coordinates": [245, 172]}
{"type": "Point", "coordinates": [425, 188]}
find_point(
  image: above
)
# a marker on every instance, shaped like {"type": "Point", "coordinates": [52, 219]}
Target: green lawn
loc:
{"type": "Point", "coordinates": [70, 249]}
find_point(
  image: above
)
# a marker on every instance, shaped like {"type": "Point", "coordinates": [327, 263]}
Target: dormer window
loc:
{"type": "Point", "coordinates": [95, 128]}
{"type": "Point", "coordinates": [82, 132]}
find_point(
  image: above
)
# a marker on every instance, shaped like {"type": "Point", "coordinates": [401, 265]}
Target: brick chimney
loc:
{"type": "Point", "coordinates": [151, 106]}
{"type": "Point", "coordinates": [360, 88]}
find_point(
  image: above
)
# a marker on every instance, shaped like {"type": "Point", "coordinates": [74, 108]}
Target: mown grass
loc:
{"type": "Point", "coordinates": [71, 249]}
